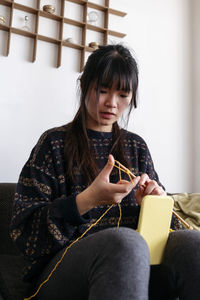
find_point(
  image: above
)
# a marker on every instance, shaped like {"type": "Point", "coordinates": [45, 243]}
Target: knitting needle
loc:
{"type": "Point", "coordinates": [127, 171]}
{"type": "Point", "coordinates": [182, 221]}
{"type": "Point", "coordinates": [123, 168]}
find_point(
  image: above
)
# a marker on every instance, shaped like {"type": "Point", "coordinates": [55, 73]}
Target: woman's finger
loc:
{"type": "Point", "coordinates": [124, 186]}
{"type": "Point", "coordinates": [144, 179]}
{"type": "Point", "coordinates": [150, 186]}
{"type": "Point", "coordinates": [159, 191]}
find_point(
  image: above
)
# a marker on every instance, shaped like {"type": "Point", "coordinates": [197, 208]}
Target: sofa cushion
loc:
{"type": "Point", "coordinates": [7, 191]}
{"type": "Point", "coordinates": [12, 286]}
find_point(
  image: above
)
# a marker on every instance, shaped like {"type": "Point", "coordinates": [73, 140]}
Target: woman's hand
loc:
{"type": "Point", "coordinates": [102, 192]}
{"type": "Point", "coordinates": [146, 186]}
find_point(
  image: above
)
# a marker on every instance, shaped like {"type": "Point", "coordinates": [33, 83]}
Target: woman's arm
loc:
{"type": "Point", "coordinates": [45, 215]}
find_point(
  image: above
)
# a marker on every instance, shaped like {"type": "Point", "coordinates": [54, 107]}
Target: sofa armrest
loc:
{"type": "Point", "coordinates": [7, 191]}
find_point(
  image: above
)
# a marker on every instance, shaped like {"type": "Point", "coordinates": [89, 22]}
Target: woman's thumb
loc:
{"type": "Point", "coordinates": [108, 167]}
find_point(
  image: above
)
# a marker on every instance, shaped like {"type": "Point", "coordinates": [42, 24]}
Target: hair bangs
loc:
{"type": "Point", "coordinates": [115, 73]}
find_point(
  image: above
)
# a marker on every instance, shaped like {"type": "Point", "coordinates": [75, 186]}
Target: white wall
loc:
{"type": "Point", "coordinates": [196, 92]}
{"type": "Point", "coordinates": [160, 36]}
{"type": "Point", "coordinates": [37, 96]}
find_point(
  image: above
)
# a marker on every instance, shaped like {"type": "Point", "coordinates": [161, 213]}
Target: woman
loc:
{"type": "Point", "coordinates": [69, 182]}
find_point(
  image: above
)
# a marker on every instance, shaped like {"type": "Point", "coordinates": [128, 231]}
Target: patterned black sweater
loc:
{"type": "Point", "coordinates": [45, 217]}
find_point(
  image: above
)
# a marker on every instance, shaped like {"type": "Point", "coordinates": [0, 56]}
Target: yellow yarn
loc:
{"type": "Point", "coordinates": [84, 233]}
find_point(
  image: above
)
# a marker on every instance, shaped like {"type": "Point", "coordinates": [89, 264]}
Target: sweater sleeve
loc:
{"type": "Point", "coordinates": [45, 215]}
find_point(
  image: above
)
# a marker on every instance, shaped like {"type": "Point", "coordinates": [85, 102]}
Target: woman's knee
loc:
{"type": "Point", "coordinates": [126, 241]}
{"type": "Point", "coordinates": [123, 252]}
{"type": "Point", "coordinates": [183, 244]}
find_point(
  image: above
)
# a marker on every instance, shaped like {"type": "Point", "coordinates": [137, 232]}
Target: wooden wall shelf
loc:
{"type": "Point", "coordinates": [83, 24]}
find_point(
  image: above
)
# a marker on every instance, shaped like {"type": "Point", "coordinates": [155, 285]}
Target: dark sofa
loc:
{"type": "Point", "coordinates": [12, 286]}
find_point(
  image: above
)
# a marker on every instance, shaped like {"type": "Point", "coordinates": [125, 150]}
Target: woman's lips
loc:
{"type": "Point", "coordinates": [106, 115]}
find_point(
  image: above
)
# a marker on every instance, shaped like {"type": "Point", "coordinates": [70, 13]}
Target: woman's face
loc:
{"type": "Point", "coordinates": [102, 113]}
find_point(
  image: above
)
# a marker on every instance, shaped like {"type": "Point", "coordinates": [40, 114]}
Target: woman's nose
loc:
{"type": "Point", "coordinates": [111, 101]}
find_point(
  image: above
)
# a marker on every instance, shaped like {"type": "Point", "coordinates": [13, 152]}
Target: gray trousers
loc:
{"type": "Point", "coordinates": [114, 264]}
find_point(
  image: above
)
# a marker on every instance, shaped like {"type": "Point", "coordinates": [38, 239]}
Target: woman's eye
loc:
{"type": "Point", "coordinates": [103, 91]}
{"type": "Point", "coordinates": [123, 96]}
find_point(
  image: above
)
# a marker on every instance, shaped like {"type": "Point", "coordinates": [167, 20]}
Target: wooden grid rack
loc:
{"type": "Point", "coordinates": [83, 24]}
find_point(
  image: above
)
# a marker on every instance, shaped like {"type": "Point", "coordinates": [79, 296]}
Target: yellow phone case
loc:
{"type": "Point", "coordinates": [154, 224]}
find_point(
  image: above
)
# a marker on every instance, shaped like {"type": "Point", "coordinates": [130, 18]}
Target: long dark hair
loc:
{"type": "Point", "coordinates": [104, 66]}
